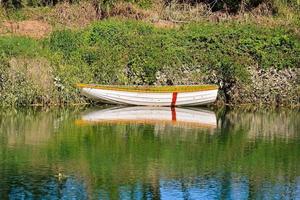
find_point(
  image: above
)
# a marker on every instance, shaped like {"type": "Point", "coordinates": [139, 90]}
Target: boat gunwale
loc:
{"type": "Point", "coordinates": [151, 89]}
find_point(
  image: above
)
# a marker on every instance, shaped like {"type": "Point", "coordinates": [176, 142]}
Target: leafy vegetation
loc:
{"type": "Point", "coordinates": [132, 52]}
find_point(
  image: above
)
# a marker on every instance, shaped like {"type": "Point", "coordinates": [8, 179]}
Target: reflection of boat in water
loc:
{"type": "Point", "coordinates": [182, 117]}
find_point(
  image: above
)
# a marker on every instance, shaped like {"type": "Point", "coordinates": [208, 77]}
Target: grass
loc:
{"type": "Point", "coordinates": [20, 46]}
{"type": "Point", "coordinates": [129, 52]}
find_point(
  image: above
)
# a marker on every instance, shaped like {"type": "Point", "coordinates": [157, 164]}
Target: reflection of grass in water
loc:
{"type": "Point", "coordinates": [115, 155]}
{"type": "Point", "coordinates": [268, 124]}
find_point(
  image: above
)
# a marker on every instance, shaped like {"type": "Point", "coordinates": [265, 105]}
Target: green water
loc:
{"type": "Point", "coordinates": [45, 154]}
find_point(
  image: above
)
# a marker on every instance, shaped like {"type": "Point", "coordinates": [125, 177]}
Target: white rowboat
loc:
{"type": "Point", "coordinates": [191, 95]}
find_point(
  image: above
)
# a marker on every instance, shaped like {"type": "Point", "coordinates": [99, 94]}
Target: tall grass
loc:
{"type": "Point", "coordinates": [232, 6]}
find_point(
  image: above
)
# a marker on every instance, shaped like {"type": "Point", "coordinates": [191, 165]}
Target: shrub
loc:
{"type": "Point", "coordinates": [64, 41]}
{"type": "Point", "coordinates": [133, 52]}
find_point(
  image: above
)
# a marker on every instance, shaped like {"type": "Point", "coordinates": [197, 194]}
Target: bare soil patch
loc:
{"type": "Point", "coordinates": [31, 28]}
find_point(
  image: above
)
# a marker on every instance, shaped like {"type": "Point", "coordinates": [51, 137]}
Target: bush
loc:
{"type": "Point", "coordinates": [64, 41]}
{"type": "Point", "coordinates": [16, 89]}
{"type": "Point", "coordinates": [118, 52]}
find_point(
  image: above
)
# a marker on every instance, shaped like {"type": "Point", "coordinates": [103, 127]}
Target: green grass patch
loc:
{"type": "Point", "coordinates": [13, 46]}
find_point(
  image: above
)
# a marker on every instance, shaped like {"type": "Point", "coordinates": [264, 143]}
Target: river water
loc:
{"type": "Point", "coordinates": [149, 153]}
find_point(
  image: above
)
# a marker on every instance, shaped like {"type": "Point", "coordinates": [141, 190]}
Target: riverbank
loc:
{"type": "Point", "coordinates": [252, 63]}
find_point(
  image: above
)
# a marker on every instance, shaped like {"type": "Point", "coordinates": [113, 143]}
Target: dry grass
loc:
{"type": "Point", "coordinates": [73, 16]}
{"type": "Point", "coordinates": [128, 10]}
{"type": "Point", "coordinates": [2, 13]}
{"type": "Point", "coordinates": [165, 24]}
{"type": "Point", "coordinates": [184, 12]}
{"type": "Point", "coordinates": [131, 11]}
{"type": "Point", "coordinates": [263, 9]}
{"type": "Point", "coordinates": [263, 14]}
{"type": "Point", "coordinates": [37, 22]}
{"type": "Point", "coordinates": [37, 70]}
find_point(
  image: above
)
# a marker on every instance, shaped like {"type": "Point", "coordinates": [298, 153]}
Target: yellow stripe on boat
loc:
{"type": "Point", "coordinates": [156, 89]}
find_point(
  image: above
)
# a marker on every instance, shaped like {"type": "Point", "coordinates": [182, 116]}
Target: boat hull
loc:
{"type": "Point", "coordinates": [151, 98]}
